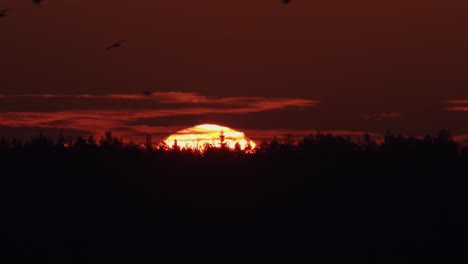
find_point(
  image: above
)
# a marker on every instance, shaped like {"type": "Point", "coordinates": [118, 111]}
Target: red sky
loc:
{"type": "Point", "coordinates": [330, 65]}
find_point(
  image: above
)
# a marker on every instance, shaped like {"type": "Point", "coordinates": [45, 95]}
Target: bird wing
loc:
{"type": "Point", "coordinates": [116, 44]}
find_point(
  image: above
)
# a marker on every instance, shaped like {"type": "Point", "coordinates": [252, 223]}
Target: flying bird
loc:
{"type": "Point", "coordinates": [37, 2]}
{"type": "Point", "coordinates": [286, 2]}
{"type": "Point", "coordinates": [3, 13]}
{"type": "Point", "coordinates": [116, 44]}
{"type": "Point", "coordinates": [147, 92]}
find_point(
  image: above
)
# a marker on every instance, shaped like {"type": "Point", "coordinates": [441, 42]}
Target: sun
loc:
{"type": "Point", "coordinates": [199, 136]}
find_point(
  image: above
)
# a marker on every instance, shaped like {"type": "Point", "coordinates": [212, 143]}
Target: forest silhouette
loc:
{"type": "Point", "coordinates": [323, 198]}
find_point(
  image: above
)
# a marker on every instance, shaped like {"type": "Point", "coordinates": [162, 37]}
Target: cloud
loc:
{"type": "Point", "coordinates": [126, 113]}
{"type": "Point", "coordinates": [457, 105]}
{"type": "Point", "coordinates": [462, 101]}
{"type": "Point", "coordinates": [159, 100]}
{"type": "Point", "coordinates": [457, 108]}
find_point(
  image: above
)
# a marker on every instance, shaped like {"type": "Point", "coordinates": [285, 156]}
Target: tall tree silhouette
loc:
{"type": "Point", "coordinates": [222, 140]}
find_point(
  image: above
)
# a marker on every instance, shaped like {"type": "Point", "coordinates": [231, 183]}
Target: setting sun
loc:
{"type": "Point", "coordinates": [208, 134]}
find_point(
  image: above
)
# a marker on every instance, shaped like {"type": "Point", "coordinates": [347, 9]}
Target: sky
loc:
{"type": "Point", "coordinates": [258, 66]}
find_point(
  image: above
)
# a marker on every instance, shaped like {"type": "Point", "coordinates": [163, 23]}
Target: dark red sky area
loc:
{"type": "Point", "coordinates": [358, 65]}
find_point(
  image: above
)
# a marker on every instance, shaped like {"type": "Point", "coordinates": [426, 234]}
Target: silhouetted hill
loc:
{"type": "Point", "coordinates": [326, 198]}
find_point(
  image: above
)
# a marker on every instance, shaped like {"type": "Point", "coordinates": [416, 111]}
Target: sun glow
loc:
{"type": "Point", "coordinates": [199, 136]}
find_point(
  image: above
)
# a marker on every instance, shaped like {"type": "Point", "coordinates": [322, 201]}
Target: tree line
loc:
{"type": "Point", "coordinates": [287, 143]}
{"type": "Point", "coordinates": [323, 198]}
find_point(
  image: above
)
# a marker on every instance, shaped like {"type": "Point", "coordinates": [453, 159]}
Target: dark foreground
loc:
{"type": "Point", "coordinates": [328, 200]}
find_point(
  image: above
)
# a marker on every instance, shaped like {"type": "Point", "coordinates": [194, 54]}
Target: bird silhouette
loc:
{"type": "Point", "coordinates": [147, 92]}
{"type": "Point", "coordinates": [116, 44]}
{"type": "Point", "coordinates": [286, 2]}
{"type": "Point", "coordinates": [37, 2]}
{"type": "Point", "coordinates": [4, 12]}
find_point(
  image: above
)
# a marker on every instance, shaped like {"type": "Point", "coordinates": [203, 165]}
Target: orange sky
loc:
{"type": "Point", "coordinates": [363, 65]}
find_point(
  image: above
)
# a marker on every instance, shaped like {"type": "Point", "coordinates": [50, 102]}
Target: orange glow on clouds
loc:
{"type": "Point", "coordinates": [131, 116]}
{"type": "Point", "coordinates": [208, 134]}
{"type": "Point", "coordinates": [457, 105]}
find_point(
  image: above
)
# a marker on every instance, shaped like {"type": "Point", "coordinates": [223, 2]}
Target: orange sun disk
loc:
{"type": "Point", "coordinates": [208, 134]}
